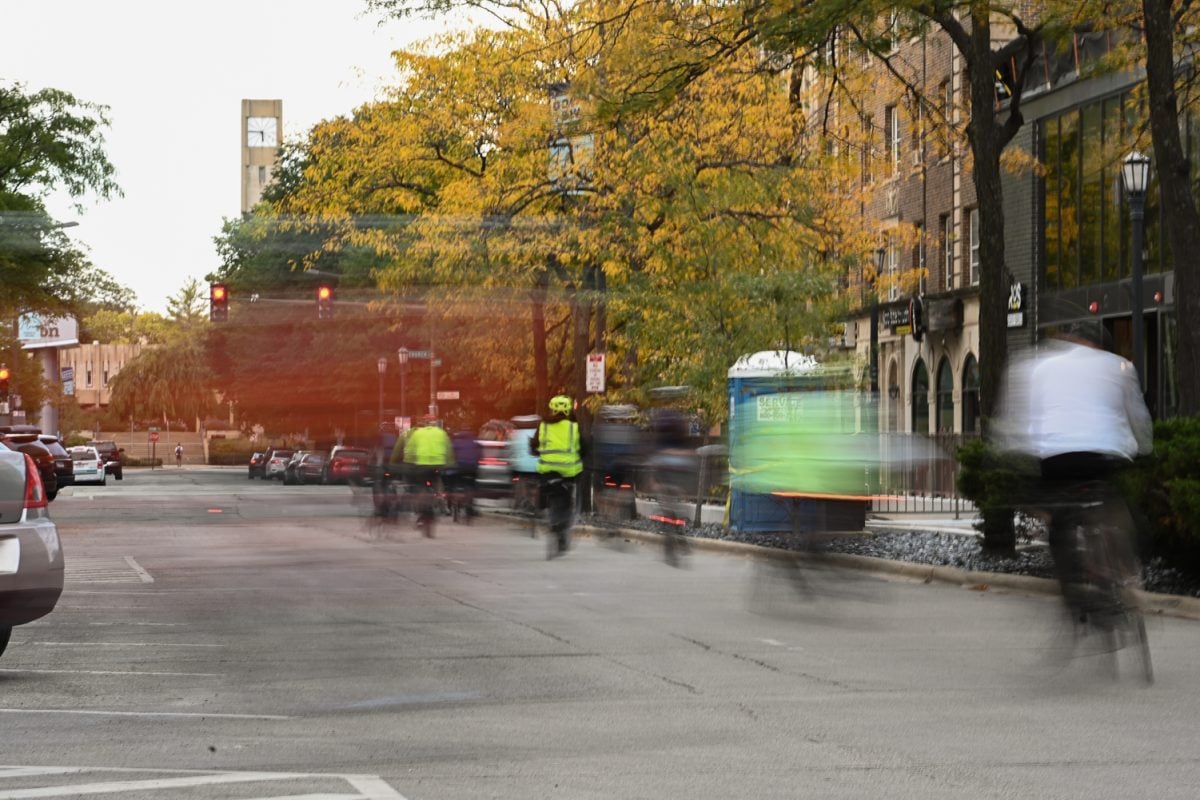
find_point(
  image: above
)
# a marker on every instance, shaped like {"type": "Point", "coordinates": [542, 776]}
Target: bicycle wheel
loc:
{"type": "Point", "coordinates": [1116, 574]}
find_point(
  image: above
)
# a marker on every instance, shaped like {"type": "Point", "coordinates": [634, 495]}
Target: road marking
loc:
{"type": "Point", "coordinates": [99, 569]}
{"type": "Point", "coordinates": [145, 576]}
{"type": "Point", "coordinates": [365, 787]}
{"type": "Point", "coordinates": [772, 642]}
{"type": "Point", "coordinates": [126, 644]}
{"type": "Point", "coordinates": [110, 672]}
{"type": "Point", "coordinates": [160, 714]}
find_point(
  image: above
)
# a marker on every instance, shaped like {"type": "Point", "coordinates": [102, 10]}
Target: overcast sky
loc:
{"type": "Point", "coordinates": [174, 75]}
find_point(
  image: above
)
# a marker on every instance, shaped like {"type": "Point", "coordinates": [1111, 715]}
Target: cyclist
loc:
{"type": "Point", "coordinates": [466, 469]}
{"type": "Point", "coordinates": [559, 449]}
{"type": "Point", "coordinates": [1078, 411]}
{"type": "Point", "coordinates": [427, 450]}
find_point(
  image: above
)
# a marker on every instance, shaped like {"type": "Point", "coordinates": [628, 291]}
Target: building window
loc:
{"type": "Point", "coordinates": [104, 376]}
{"type": "Point", "coordinates": [920, 398]}
{"type": "Point", "coordinates": [262, 176]}
{"type": "Point", "coordinates": [917, 132]}
{"type": "Point", "coordinates": [948, 252]}
{"type": "Point", "coordinates": [893, 267]}
{"type": "Point", "coordinates": [868, 144]}
{"type": "Point", "coordinates": [970, 395]}
{"type": "Point", "coordinates": [88, 376]}
{"type": "Point", "coordinates": [974, 246]}
{"type": "Point", "coordinates": [945, 398]}
{"type": "Point", "coordinates": [891, 126]}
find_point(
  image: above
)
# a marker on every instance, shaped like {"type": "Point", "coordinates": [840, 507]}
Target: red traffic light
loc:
{"type": "Point", "coordinates": [324, 293]}
{"type": "Point", "coordinates": [218, 302]}
{"type": "Point", "coordinates": [4, 373]}
{"type": "Point", "coordinates": [219, 292]}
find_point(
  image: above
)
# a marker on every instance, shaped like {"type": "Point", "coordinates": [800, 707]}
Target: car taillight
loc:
{"type": "Point", "coordinates": [493, 462]}
{"type": "Point", "coordinates": [35, 492]}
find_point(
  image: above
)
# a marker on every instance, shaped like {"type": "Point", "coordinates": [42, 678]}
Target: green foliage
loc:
{"type": "Point", "coordinates": [996, 483]}
{"type": "Point", "coordinates": [173, 379]}
{"type": "Point", "coordinates": [232, 452]}
{"type": "Point", "coordinates": [1165, 488]}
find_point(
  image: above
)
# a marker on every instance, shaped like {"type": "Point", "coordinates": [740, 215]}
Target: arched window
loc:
{"type": "Point", "coordinates": [970, 395]}
{"type": "Point", "coordinates": [945, 398]}
{"type": "Point", "coordinates": [920, 398]}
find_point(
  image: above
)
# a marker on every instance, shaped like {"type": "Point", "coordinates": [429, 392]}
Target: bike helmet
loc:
{"type": "Point", "coordinates": [560, 404]}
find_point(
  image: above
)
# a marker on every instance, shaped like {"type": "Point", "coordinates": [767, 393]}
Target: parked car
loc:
{"type": "Point", "coordinates": [494, 476]}
{"type": "Point", "coordinates": [276, 463]}
{"type": "Point", "coordinates": [31, 557]}
{"type": "Point", "coordinates": [64, 467]}
{"type": "Point", "coordinates": [347, 464]}
{"type": "Point", "coordinates": [112, 456]}
{"type": "Point", "coordinates": [28, 444]}
{"type": "Point", "coordinates": [89, 467]}
{"type": "Point", "coordinates": [292, 472]}
{"type": "Point", "coordinates": [311, 468]}
{"type": "Point", "coordinates": [258, 462]}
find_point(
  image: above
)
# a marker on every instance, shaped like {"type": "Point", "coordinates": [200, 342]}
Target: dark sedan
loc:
{"type": "Point", "coordinates": [28, 444]}
{"type": "Point", "coordinates": [258, 462]}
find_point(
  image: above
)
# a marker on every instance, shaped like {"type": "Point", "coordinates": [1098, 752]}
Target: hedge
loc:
{"type": "Point", "coordinates": [232, 452]}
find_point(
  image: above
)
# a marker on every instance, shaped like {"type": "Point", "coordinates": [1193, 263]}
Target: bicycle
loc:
{"type": "Point", "coordinates": [425, 500]}
{"type": "Point", "coordinates": [526, 499]}
{"type": "Point", "coordinates": [1098, 568]}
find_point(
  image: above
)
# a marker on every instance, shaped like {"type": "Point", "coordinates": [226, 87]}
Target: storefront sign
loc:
{"type": "Point", "coordinates": [1016, 304]}
{"type": "Point", "coordinates": [944, 315]}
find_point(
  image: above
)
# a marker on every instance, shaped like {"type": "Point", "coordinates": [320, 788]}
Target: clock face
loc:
{"type": "Point", "coordinates": [261, 132]}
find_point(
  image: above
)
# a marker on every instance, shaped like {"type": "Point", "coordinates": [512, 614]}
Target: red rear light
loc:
{"type": "Point", "coordinates": [35, 492]}
{"type": "Point", "coordinates": [493, 462]}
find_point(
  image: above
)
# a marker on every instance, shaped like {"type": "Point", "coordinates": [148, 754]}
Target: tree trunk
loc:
{"type": "Point", "coordinates": [986, 146]}
{"type": "Point", "coordinates": [540, 365]}
{"type": "Point", "coordinates": [1178, 204]}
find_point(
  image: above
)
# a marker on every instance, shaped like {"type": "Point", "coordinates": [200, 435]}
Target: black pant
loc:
{"type": "Point", "coordinates": [556, 496]}
{"type": "Point", "coordinates": [1077, 490]}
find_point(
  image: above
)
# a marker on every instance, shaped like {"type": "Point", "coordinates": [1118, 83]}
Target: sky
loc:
{"type": "Point", "coordinates": [174, 75]}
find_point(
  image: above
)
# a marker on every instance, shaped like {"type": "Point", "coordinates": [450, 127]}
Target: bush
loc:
{"type": "Point", "coordinates": [130, 461]}
{"type": "Point", "coordinates": [996, 483]}
{"type": "Point", "coordinates": [1164, 492]}
{"type": "Point", "coordinates": [232, 452]}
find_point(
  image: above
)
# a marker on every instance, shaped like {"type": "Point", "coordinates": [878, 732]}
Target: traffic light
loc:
{"type": "Point", "coordinates": [218, 302]}
{"type": "Point", "coordinates": [324, 301]}
{"type": "Point", "coordinates": [4, 375]}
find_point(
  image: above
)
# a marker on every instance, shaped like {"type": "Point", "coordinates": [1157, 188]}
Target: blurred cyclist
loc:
{"type": "Point", "coordinates": [427, 450]}
{"type": "Point", "coordinates": [1078, 410]}
{"type": "Point", "coordinates": [559, 449]}
{"type": "Point", "coordinates": [466, 466]}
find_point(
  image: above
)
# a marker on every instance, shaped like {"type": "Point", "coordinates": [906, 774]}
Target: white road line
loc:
{"type": "Point", "coordinates": [16, 670]}
{"type": "Point", "coordinates": [25, 772]}
{"type": "Point", "coordinates": [145, 576]}
{"type": "Point", "coordinates": [136, 786]}
{"type": "Point", "coordinates": [142, 624]}
{"type": "Point", "coordinates": [157, 714]}
{"type": "Point", "coordinates": [373, 787]}
{"type": "Point", "coordinates": [322, 796]}
{"type": "Point", "coordinates": [125, 644]}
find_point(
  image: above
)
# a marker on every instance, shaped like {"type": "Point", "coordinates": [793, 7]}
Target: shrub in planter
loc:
{"type": "Point", "coordinates": [997, 483]}
{"type": "Point", "coordinates": [1164, 492]}
{"type": "Point", "coordinates": [232, 452]}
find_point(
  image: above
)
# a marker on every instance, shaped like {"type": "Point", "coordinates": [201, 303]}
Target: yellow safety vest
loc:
{"type": "Point", "coordinates": [558, 448]}
{"type": "Point", "coordinates": [428, 446]}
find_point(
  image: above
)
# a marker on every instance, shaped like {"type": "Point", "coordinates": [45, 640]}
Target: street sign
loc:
{"type": "Point", "coordinates": [449, 394]}
{"type": "Point", "coordinates": [420, 354]}
{"type": "Point", "coordinates": [595, 373]}
{"type": "Point", "coordinates": [68, 374]}
{"type": "Point", "coordinates": [154, 436]}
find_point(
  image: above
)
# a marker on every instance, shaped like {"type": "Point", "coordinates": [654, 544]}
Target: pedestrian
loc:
{"type": "Point", "coordinates": [178, 454]}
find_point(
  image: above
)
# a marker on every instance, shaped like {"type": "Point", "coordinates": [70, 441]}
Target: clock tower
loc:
{"type": "Point", "coordinates": [261, 134]}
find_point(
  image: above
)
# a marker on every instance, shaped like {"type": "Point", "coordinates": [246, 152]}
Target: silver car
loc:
{"type": "Point", "coordinates": [31, 557]}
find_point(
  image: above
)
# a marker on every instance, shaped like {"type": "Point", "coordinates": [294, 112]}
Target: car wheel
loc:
{"type": "Point", "coordinates": [5, 634]}
{"type": "Point", "coordinates": [119, 475]}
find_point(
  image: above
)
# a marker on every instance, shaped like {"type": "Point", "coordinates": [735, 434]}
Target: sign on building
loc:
{"type": "Point", "coordinates": [35, 331]}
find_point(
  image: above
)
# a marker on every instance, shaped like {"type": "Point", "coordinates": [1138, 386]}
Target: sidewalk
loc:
{"type": "Point", "coordinates": [935, 523]}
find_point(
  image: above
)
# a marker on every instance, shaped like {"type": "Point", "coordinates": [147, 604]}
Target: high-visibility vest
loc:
{"type": "Point", "coordinates": [558, 448]}
{"type": "Point", "coordinates": [428, 446]}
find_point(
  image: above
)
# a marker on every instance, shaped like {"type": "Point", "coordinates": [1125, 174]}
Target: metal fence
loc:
{"type": "Point", "coordinates": [919, 475]}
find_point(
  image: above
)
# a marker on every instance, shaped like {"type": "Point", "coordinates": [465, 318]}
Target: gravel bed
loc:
{"type": "Point", "coordinates": [929, 547]}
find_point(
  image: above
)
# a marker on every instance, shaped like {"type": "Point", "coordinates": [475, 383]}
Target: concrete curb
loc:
{"type": "Point", "coordinates": [1169, 605]}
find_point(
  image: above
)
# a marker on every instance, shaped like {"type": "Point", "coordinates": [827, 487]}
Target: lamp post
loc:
{"type": "Point", "coordinates": [402, 357]}
{"type": "Point", "coordinates": [874, 355]}
{"type": "Point", "coordinates": [382, 365]}
{"type": "Point", "coordinates": [1135, 176]}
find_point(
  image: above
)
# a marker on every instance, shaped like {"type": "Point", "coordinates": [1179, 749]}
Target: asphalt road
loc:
{"type": "Point", "coordinates": [220, 638]}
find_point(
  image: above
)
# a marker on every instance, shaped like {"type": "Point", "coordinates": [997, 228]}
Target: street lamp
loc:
{"type": "Point", "coordinates": [1135, 176]}
{"type": "Point", "coordinates": [402, 357]}
{"type": "Point", "coordinates": [382, 364]}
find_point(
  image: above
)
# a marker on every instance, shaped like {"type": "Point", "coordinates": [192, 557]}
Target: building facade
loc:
{"type": "Point", "coordinates": [94, 366]}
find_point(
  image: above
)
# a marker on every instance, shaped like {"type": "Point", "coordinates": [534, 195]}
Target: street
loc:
{"type": "Point", "coordinates": [225, 638]}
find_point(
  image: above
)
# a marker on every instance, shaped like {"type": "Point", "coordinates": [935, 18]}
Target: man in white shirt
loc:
{"type": "Point", "coordinates": [1078, 410]}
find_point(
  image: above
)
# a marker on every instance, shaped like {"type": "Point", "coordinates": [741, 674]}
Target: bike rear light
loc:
{"type": "Point", "coordinates": [35, 492]}
{"type": "Point", "coordinates": [493, 462]}
{"type": "Point", "coordinates": [668, 520]}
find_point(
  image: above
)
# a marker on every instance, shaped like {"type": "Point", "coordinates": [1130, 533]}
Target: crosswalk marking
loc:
{"type": "Point", "coordinates": [107, 570]}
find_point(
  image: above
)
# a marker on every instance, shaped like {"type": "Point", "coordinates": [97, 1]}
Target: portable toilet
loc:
{"type": "Point", "coordinates": [802, 445]}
